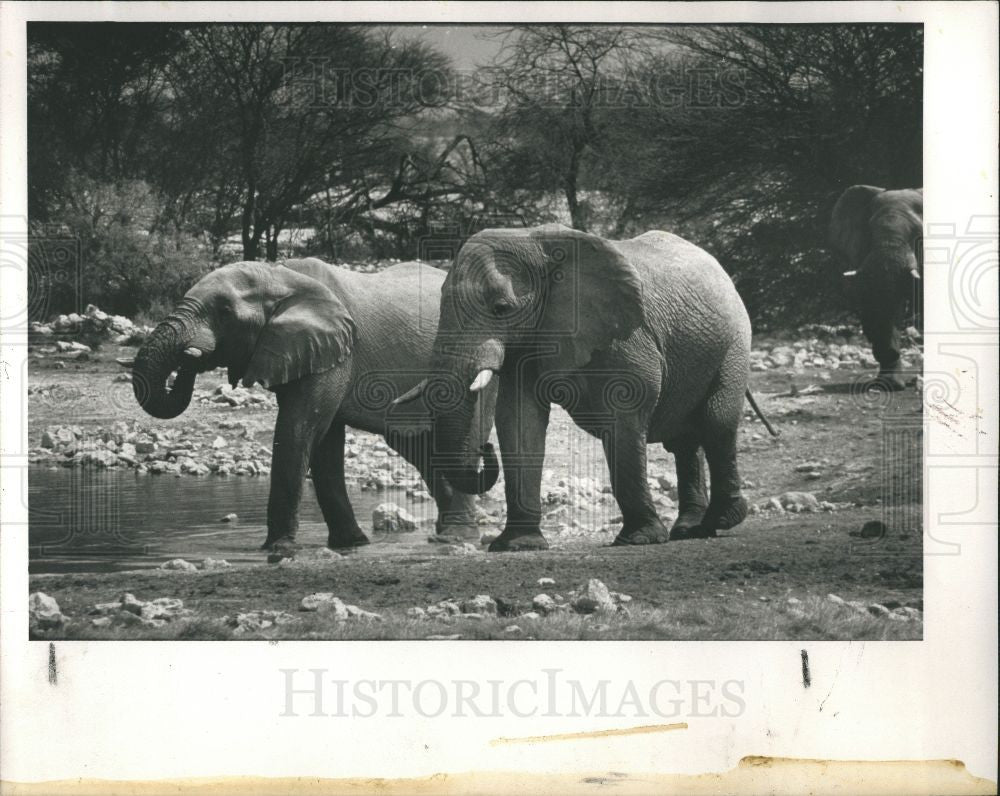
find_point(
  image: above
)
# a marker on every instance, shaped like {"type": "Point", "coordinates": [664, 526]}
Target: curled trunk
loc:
{"type": "Point", "coordinates": [156, 360]}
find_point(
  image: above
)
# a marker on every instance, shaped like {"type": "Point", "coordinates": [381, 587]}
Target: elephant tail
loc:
{"type": "Point", "coordinates": [764, 420]}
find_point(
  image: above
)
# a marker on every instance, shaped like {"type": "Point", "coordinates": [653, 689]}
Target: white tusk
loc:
{"type": "Point", "coordinates": [481, 380]}
{"type": "Point", "coordinates": [850, 273]}
{"type": "Point", "coordinates": [126, 363]}
{"type": "Point", "coordinates": [193, 352]}
{"type": "Point", "coordinates": [412, 394]}
{"type": "Point", "coordinates": [916, 275]}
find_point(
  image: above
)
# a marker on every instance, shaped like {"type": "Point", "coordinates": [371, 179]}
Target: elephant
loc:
{"type": "Point", "coordinates": [334, 346]}
{"type": "Point", "coordinates": [878, 235]}
{"type": "Point", "coordinates": [642, 341]}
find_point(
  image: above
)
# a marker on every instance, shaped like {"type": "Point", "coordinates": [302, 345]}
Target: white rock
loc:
{"type": "Point", "coordinates": [326, 603]}
{"type": "Point", "coordinates": [543, 603]}
{"type": "Point", "coordinates": [390, 518]}
{"type": "Point", "coordinates": [546, 582]}
{"type": "Point", "coordinates": [43, 611]}
{"type": "Point", "coordinates": [179, 564]}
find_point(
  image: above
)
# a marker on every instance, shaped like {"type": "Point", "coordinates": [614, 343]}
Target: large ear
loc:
{"type": "Point", "coordinates": [849, 222]}
{"type": "Point", "coordinates": [593, 294]}
{"type": "Point", "coordinates": [307, 330]}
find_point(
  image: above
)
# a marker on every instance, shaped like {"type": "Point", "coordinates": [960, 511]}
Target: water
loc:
{"type": "Point", "coordinates": [86, 520]}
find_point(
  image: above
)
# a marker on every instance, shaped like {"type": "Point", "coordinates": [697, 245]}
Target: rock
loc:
{"type": "Point", "coordinates": [531, 615]}
{"type": "Point", "coordinates": [43, 612]}
{"type": "Point", "coordinates": [145, 445]}
{"type": "Point", "coordinates": [231, 517]}
{"type": "Point", "coordinates": [543, 603]}
{"type": "Point", "coordinates": [254, 621]}
{"type": "Point", "coordinates": [794, 601]}
{"type": "Point", "coordinates": [873, 529]}
{"type": "Point", "coordinates": [480, 604]}
{"type": "Point", "coordinates": [358, 613]}
{"type": "Point", "coordinates": [877, 609]}
{"type": "Point", "coordinates": [464, 549]}
{"type": "Point", "coordinates": [325, 602]}
{"type": "Point", "coordinates": [513, 630]}
{"type": "Point", "coordinates": [454, 637]}
{"type": "Point", "coordinates": [799, 501]}
{"type": "Point", "coordinates": [390, 518]}
{"type": "Point", "coordinates": [546, 582]}
{"type": "Point", "coordinates": [595, 598]}
{"type": "Point", "coordinates": [416, 612]}
{"type": "Point", "coordinates": [219, 442]}
{"type": "Point", "coordinates": [215, 563]}
{"type": "Point", "coordinates": [180, 565]}
{"type": "Point", "coordinates": [101, 621]}
{"type": "Point", "coordinates": [163, 608]}
{"type": "Point", "coordinates": [48, 440]}
{"type": "Point", "coordinates": [835, 599]}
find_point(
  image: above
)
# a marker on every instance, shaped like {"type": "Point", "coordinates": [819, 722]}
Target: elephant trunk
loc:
{"type": "Point", "coordinates": [462, 399]}
{"type": "Point", "coordinates": [162, 354]}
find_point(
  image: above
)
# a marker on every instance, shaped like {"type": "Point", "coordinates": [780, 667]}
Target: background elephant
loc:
{"type": "Point", "coordinates": [879, 233]}
{"type": "Point", "coordinates": [641, 341]}
{"type": "Point", "coordinates": [335, 347]}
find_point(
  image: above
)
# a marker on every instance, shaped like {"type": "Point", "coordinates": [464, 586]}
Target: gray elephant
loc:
{"type": "Point", "coordinates": [878, 234]}
{"type": "Point", "coordinates": [642, 341]}
{"type": "Point", "coordinates": [335, 347]}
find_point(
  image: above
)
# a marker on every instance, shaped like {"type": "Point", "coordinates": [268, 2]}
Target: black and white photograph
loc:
{"type": "Point", "coordinates": [531, 331]}
{"type": "Point", "coordinates": [421, 323]}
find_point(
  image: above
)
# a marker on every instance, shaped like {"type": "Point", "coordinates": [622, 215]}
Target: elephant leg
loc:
{"type": "Point", "coordinates": [305, 414]}
{"type": "Point", "coordinates": [625, 450]}
{"type": "Point", "coordinates": [456, 511]}
{"type": "Point", "coordinates": [327, 466]}
{"type": "Point", "coordinates": [692, 493]}
{"type": "Point", "coordinates": [727, 507]}
{"type": "Point", "coordinates": [521, 422]}
{"type": "Point", "coordinates": [879, 327]}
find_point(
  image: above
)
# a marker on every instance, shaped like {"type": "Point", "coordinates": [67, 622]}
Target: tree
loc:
{"type": "Point", "coordinates": [559, 122]}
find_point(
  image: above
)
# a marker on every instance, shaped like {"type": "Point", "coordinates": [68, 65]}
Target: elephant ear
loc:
{"type": "Point", "coordinates": [593, 294]}
{"type": "Point", "coordinates": [849, 233]}
{"type": "Point", "coordinates": [307, 330]}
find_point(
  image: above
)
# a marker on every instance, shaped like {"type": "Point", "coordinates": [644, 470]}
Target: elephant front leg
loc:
{"type": "Point", "coordinates": [327, 467]}
{"type": "Point", "coordinates": [625, 450]}
{"type": "Point", "coordinates": [521, 421]}
{"type": "Point", "coordinates": [456, 511]}
{"type": "Point", "coordinates": [879, 326]}
{"type": "Point", "coordinates": [302, 421]}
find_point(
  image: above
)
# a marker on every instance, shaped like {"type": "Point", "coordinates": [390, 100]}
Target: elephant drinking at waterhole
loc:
{"type": "Point", "coordinates": [335, 347]}
{"type": "Point", "coordinates": [641, 341]}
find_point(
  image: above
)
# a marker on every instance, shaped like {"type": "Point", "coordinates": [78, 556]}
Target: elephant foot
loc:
{"type": "Point", "coordinates": [889, 382]}
{"type": "Point", "coordinates": [344, 542]}
{"type": "Point", "coordinates": [509, 542]}
{"type": "Point", "coordinates": [458, 531]}
{"type": "Point", "coordinates": [720, 516]}
{"type": "Point", "coordinates": [688, 524]}
{"type": "Point", "coordinates": [651, 533]}
{"type": "Point", "coordinates": [279, 549]}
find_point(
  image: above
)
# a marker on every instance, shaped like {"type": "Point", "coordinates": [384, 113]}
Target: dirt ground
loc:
{"type": "Point", "coordinates": [859, 454]}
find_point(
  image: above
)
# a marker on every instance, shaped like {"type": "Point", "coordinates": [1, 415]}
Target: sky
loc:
{"type": "Point", "coordinates": [460, 42]}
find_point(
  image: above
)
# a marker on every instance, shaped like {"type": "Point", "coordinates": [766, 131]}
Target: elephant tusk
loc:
{"type": "Point", "coordinates": [193, 352]}
{"type": "Point", "coordinates": [412, 394]}
{"type": "Point", "coordinates": [481, 380]}
{"type": "Point", "coordinates": [126, 363]}
{"type": "Point", "coordinates": [850, 273]}
{"type": "Point", "coordinates": [914, 273]}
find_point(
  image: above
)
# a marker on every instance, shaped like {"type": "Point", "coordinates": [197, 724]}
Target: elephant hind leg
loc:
{"type": "Point", "coordinates": [692, 494]}
{"type": "Point", "coordinates": [327, 466]}
{"type": "Point", "coordinates": [727, 507]}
